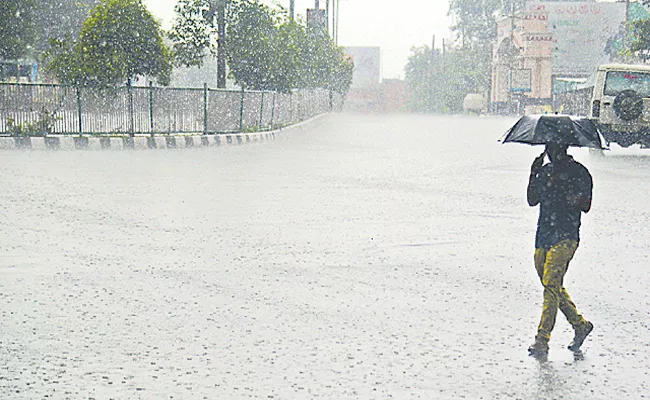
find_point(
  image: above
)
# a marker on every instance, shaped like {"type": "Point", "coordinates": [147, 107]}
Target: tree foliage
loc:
{"type": "Point", "coordinates": [265, 49]}
{"type": "Point", "coordinates": [194, 31]}
{"type": "Point", "coordinates": [29, 25]}
{"type": "Point", "coordinates": [287, 46]}
{"type": "Point", "coordinates": [119, 42]}
{"type": "Point", "coordinates": [17, 30]}
{"type": "Point", "coordinates": [418, 77]}
{"type": "Point", "coordinates": [341, 71]}
{"type": "Point", "coordinates": [435, 83]}
{"type": "Point", "coordinates": [476, 32]}
{"type": "Point", "coordinates": [640, 32]}
{"type": "Point", "coordinates": [251, 47]}
{"type": "Point", "coordinates": [632, 41]}
{"type": "Point", "coordinates": [439, 81]}
{"type": "Point", "coordinates": [60, 20]}
{"type": "Point", "coordinates": [476, 19]}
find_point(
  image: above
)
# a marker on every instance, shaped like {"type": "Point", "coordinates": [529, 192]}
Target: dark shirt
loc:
{"type": "Point", "coordinates": [563, 191]}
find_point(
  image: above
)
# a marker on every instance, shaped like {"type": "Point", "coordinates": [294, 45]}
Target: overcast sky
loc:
{"type": "Point", "coordinates": [395, 26]}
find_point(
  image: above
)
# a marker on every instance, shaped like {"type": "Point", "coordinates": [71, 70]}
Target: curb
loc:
{"type": "Point", "coordinates": [148, 142]}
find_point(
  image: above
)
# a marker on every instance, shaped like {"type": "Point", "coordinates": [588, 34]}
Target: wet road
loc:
{"type": "Point", "coordinates": [369, 258]}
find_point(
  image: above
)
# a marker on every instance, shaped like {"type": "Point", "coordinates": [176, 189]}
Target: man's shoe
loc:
{"type": "Point", "coordinates": [539, 348]}
{"type": "Point", "coordinates": [581, 334]}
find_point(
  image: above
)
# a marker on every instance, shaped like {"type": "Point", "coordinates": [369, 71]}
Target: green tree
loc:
{"type": "Point", "coordinates": [458, 78]}
{"type": "Point", "coordinates": [303, 58]}
{"type": "Point", "coordinates": [251, 47]}
{"type": "Point", "coordinates": [60, 20]}
{"type": "Point", "coordinates": [418, 75]}
{"type": "Point", "coordinates": [640, 37]}
{"type": "Point", "coordinates": [194, 32]}
{"type": "Point", "coordinates": [287, 50]}
{"type": "Point", "coordinates": [476, 29]}
{"type": "Point", "coordinates": [438, 82]}
{"type": "Point", "coordinates": [29, 25]}
{"type": "Point", "coordinates": [476, 32]}
{"type": "Point", "coordinates": [119, 42]}
{"type": "Point", "coordinates": [315, 60]}
{"type": "Point", "coordinates": [632, 41]}
{"type": "Point", "coordinates": [476, 19]}
{"type": "Point", "coordinates": [316, 57]}
{"type": "Point", "coordinates": [265, 49]}
{"type": "Point", "coordinates": [341, 74]}
{"type": "Point", "coordinates": [17, 29]}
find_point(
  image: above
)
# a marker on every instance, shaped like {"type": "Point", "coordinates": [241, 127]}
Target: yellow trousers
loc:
{"type": "Point", "coordinates": [551, 265]}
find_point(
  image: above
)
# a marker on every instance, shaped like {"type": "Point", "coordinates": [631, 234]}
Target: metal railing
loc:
{"type": "Point", "coordinates": [40, 109]}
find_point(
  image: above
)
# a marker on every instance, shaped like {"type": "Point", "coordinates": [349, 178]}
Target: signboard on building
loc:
{"type": "Point", "coordinates": [578, 31]}
{"type": "Point", "coordinates": [520, 81]}
{"type": "Point", "coordinates": [367, 66]}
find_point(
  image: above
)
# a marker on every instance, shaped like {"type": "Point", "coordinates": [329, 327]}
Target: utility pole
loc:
{"type": "Point", "coordinates": [317, 20]}
{"type": "Point", "coordinates": [218, 7]}
{"type": "Point", "coordinates": [327, 15]}
{"type": "Point", "coordinates": [221, 43]}
{"type": "Point", "coordinates": [431, 74]}
{"type": "Point", "coordinates": [511, 96]}
{"type": "Point", "coordinates": [443, 58]}
{"type": "Point", "coordinates": [292, 9]}
{"type": "Point", "coordinates": [337, 21]}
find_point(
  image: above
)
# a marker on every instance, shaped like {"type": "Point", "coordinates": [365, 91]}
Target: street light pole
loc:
{"type": "Point", "coordinates": [292, 9]}
{"type": "Point", "coordinates": [221, 42]}
{"type": "Point", "coordinates": [334, 21]}
{"type": "Point", "coordinates": [218, 7]}
{"type": "Point", "coordinates": [327, 15]}
{"type": "Point", "coordinates": [337, 22]}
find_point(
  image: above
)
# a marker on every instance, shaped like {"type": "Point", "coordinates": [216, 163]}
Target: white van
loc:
{"type": "Point", "coordinates": [474, 103]}
{"type": "Point", "coordinates": [620, 104]}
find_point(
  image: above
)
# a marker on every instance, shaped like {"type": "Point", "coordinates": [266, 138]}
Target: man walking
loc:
{"type": "Point", "coordinates": [563, 189]}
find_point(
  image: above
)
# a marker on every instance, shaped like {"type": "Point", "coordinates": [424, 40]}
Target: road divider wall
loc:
{"type": "Point", "coordinates": [147, 142]}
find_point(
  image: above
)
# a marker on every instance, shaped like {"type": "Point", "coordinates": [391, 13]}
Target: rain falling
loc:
{"type": "Point", "coordinates": [339, 199]}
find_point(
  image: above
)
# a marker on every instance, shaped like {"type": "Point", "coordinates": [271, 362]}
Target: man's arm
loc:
{"type": "Point", "coordinates": [584, 200]}
{"type": "Point", "coordinates": [533, 191]}
{"type": "Point", "coordinates": [532, 194]}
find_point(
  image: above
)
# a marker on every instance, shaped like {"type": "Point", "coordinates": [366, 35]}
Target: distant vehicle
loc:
{"type": "Point", "coordinates": [620, 104]}
{"type": "Point", "coordinates": [475, 103]}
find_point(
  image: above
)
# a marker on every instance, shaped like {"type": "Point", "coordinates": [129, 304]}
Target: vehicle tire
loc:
{"type": "Point", "coordinates": [643, 138]}
{"type": "Point", "coordinates": [628, 105]}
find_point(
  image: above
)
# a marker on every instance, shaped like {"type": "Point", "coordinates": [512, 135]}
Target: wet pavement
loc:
{"type": "Point", "coordinates": [372, 257]}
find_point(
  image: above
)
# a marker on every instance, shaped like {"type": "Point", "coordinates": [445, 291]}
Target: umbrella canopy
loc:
{"type": "Point", "coordinates": [560, 129]}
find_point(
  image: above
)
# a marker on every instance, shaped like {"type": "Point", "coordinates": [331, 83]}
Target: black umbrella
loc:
{"type": "Point", "coordinates": [560, 129]}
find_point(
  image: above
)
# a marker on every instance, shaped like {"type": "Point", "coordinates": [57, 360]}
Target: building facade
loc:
{"type": "Point", "coordinates": [549, 46]}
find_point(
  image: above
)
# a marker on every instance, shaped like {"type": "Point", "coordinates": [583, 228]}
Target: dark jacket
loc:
{"type": "Point", "coordinates": [563, 191]}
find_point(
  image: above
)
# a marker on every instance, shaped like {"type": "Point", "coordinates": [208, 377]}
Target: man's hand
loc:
{"type": "Point", "coordinates": [537, 164]}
